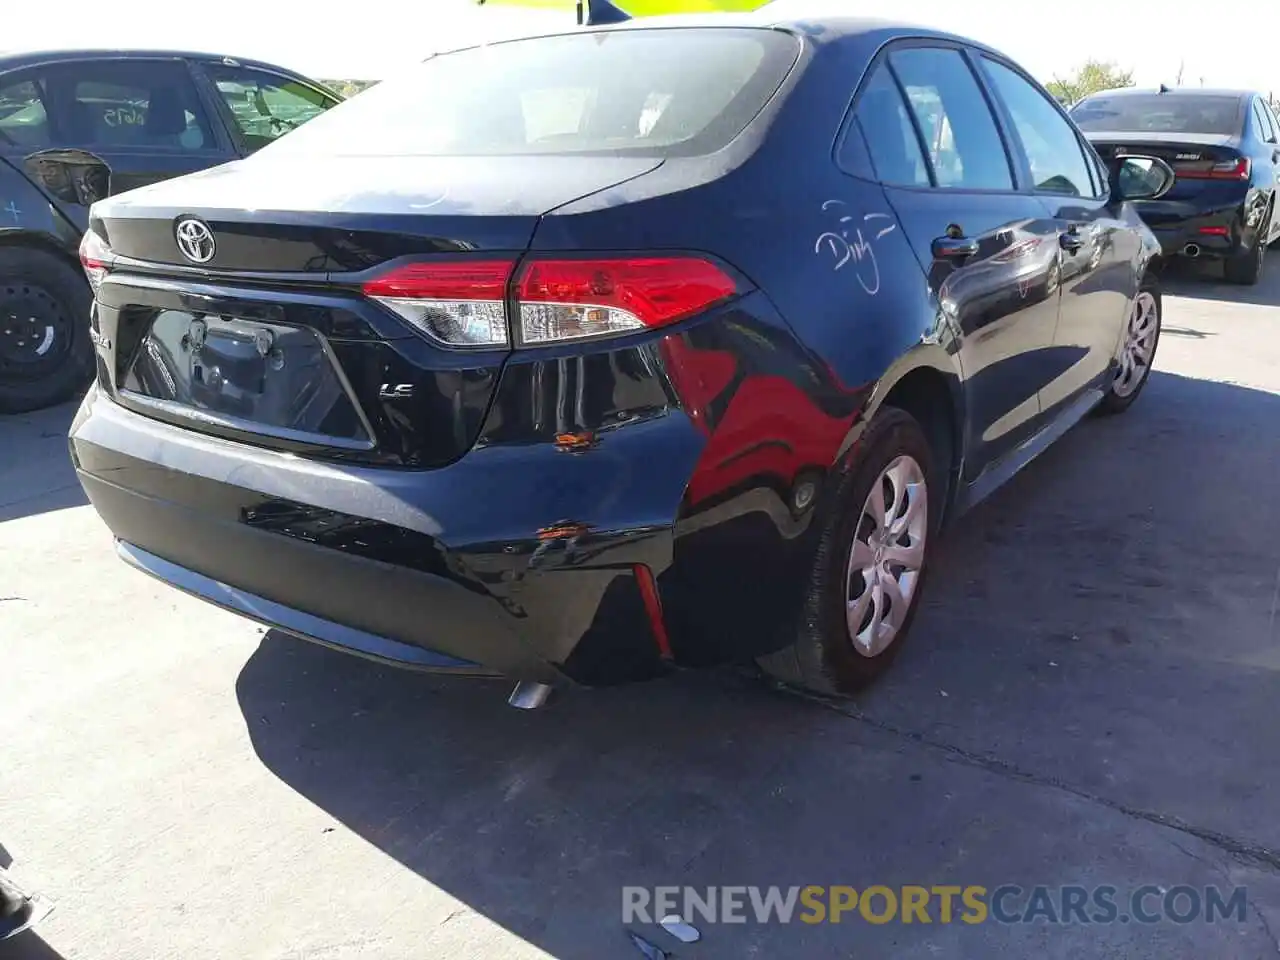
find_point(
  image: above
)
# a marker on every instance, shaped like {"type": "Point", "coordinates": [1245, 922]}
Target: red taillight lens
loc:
{"type": "Point", "coordinates": [572, 299]}
{"type": "Point", "coordinates": [1238, 169]}
{"type": "Point", "coordinates": [96, 258]}
{"type": "Point", "coordinates": [461, 303]}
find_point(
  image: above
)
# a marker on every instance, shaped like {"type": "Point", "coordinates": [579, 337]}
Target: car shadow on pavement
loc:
{"type": "Point", "coordinates": [27, 946]}
{"type": "Point", "coordinates": [1202, 280]}
{"type": "Point", "coordinates": [1061, 656]}
{"type": "Point", "coordinates": [36, 475]}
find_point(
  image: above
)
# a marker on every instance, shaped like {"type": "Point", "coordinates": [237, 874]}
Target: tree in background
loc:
{"type": "Point", "coordinates": [348, 88]}
{"type": "Point", "coordinates": [1093, 77]}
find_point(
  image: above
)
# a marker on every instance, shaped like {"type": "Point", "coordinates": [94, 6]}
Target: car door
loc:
{"type": "Point", "coordinates": [1094, 246]}
{"type": "Point", "coordinates": [985, 244]}
{"type": "Point", "coordinates": [140, 118]}
{"type": "Point", "coordinates": [260, 105]}
{"type": "Point", "coordinates": [1269, 134]}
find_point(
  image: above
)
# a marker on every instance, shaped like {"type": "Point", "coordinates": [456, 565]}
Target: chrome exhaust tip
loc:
{"type": "Point", "coordinates": [529, 695]}
{"type": "Point", "coordinates": [1191, 250]}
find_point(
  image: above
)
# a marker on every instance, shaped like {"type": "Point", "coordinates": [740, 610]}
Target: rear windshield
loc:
{"type": "Point", "coordinates": [650, 92]}
{"type": "Point", "coordinates": [1161, 113]}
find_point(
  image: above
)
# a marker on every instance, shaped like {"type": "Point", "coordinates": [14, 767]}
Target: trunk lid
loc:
{"type": "Point", "coordinates": [1195, 158]}
{"type": "Point", "coordinates": [341, 214]}
{"type": "Point", "coordinates": [278, 337]}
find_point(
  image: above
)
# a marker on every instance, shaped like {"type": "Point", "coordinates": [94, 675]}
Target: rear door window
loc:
{"type": "Point", "coordinates": [24, 118]}
{"type": "Point", "coordinates": [1265, 131]}
{"type": "Point", "coordinates": [264, 106]}
{"type": "Point", "coordinates": [960, 135]}
{"type": "Point", "coordinates": [670, 92]}
{"type": "Point", "coordinates": [1271, 115]}
{"type": "Point", "coordinates": [1058, 162]}
{"type": "Point", "coordinates": [889, 132]}
{"type": "Point", "coordinates": [113, 104]}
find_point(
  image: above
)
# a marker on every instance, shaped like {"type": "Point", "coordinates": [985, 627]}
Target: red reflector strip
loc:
{"type": "Point", "coordinates": [1216, 231]}
{"type": "Point", "coordinates": [653, 607]}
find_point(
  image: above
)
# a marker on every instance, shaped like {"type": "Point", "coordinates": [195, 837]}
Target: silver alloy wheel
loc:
{"type": "Point", "coordinates": [886, 556]}
{"type": "Point", "coordinates": [1139, 345]}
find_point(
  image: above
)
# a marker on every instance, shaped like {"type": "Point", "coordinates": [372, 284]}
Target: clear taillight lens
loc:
{"type": "Point", "coordinates": [460, 303]}
{"type": "Point", "coordinates": [96, 258]}
{"type": "Point", "coordinates": [575, 299]}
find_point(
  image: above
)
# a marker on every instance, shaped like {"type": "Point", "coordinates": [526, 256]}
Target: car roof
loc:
{"type": "Point", "coordinates": [783, 15]}
{"type": "Point", "coordinates": [18, 59]}
{"type": "Point", "coordinates": [1173, 92]}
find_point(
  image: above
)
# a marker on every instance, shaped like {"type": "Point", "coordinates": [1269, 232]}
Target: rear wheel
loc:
{"type": "Point", "coordinates": [870, 563]}
{"type": "Point", "coordinates": [1137, 350]}
{"type": "Point", "coordinates": [45, 351]}
{"type": "Point", "coordinates": [1246, 268]}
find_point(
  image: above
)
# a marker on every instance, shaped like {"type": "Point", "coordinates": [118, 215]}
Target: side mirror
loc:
{"type": "Point", "coordinates": [1140, 178]}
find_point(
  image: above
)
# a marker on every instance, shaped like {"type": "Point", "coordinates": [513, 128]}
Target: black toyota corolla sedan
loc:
{"type": "Point", "coordinates": [1224, 147]}
{"type": "Point", "coordinates": [584, 357]}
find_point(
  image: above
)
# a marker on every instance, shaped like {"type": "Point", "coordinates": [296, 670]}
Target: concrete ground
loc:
{"type": "Point", "coordinates": [1089, 698]}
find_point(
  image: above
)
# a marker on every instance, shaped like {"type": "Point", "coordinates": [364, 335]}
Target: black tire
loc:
{"type": "Point", "coordinates": [1246, 269]}
{"type": "Point", "coordinates": [1117, 399]}
{"type": "Point", "coordinates": [823, 658]}
{"type": "Point", "coordinates": [46, 355]}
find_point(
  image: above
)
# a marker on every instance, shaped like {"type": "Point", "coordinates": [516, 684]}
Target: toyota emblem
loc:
{"type": "Point", "coordinates": [195, 240]}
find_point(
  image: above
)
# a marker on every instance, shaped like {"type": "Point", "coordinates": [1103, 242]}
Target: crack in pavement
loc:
{"type": "Point", "coordinates": [1221, 871]}
{"type": "Point", "coordinates": [1266, 924]}
{"type": "Point", "coordinates": [1243, 850]}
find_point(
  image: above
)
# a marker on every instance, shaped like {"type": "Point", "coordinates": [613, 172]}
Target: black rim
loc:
{"type": "Point", "coordinates": [34, 332]}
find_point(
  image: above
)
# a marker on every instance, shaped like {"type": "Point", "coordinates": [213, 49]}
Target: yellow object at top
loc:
{"type": "Point", "coordinates": [643, 8]}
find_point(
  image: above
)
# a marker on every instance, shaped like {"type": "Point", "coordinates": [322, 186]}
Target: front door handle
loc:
{"type": "Point", "coordinates": [955, 248]}
{"type": "Point", "coordinates": [1070, 240]}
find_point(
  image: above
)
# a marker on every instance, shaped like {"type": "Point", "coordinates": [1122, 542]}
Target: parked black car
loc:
{"type": "Point", "coordinates": [1224, 147]}
{"type": "Point", "coordinates": [76, 126]}
{"type": "Point", "coordinates": [586, 356]}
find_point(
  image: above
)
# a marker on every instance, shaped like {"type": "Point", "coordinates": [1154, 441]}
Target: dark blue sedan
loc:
{"type": "Point", "coordinates": [1224, 148]}
{"type": "Point", "coordinates": [585, 357]}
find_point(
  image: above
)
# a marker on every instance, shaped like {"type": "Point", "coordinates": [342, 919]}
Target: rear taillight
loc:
{"type": "Point", "coordinates": [1238, 169]}
{"type": "Point", "coordinates": [96, 258]}
{"type": "Point", "coordinates": [462, 303]}
{"type": "Point", "coordinates": [574, 299]}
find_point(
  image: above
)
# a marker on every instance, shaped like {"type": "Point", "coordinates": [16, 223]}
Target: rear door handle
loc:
{"type": "Point", "coordinates": [955, 248]}
{"type": "Point", "coordinates": [1070, 240]}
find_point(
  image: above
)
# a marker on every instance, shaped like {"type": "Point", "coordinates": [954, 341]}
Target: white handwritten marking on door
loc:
{"type": "Point", "coordinates": [856, 249]}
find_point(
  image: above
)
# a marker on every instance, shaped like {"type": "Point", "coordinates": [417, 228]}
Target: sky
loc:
{"type": "Point", "coordinates": [370, 39]}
